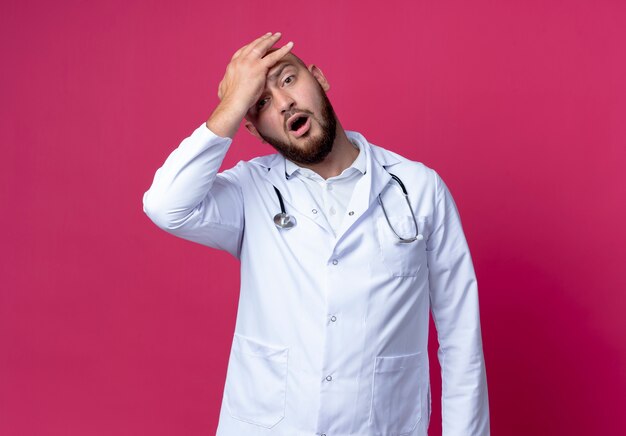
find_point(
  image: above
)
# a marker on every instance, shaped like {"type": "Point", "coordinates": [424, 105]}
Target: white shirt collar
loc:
{"type": "Point", "coordinates": [359, 164]}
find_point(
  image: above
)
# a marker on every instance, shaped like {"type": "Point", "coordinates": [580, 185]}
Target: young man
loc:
{"type": "Point", "coordinates": [339, 268]}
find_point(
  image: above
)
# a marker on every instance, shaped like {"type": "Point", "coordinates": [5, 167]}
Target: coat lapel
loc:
{"type": "Point", "coordinates": [366, 191]}
{"type": "Point", "coordinates": [297, 197]}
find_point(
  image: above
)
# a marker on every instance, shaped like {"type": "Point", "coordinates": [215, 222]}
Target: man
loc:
{"type": "Point", "coordinates": [338, 269]}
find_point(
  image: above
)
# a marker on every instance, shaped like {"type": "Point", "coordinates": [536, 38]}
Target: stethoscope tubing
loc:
{"type": "Point", "coordinates": [406, 197]}
{"type": "Point", "coordinates": [285, 221]}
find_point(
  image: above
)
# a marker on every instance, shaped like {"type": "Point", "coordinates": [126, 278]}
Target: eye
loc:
{"type": "Point", "coordinates": [288, 80]}
{"type": "Point", "coordinates": [261, 103]}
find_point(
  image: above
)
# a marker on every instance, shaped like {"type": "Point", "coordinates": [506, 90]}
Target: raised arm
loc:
{"type": "Point", "coordinates": [188, 197]}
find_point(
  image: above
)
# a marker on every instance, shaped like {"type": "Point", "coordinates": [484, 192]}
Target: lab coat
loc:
{"type": "Point", "coordinates": [331, 331]}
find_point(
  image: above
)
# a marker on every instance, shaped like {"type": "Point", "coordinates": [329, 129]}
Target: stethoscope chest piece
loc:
{"type": "Point", "coordinates": [284, 220]}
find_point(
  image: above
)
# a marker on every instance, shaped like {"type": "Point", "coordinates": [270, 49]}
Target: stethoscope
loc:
{"type": "Point", "coordinates": [285, 221]}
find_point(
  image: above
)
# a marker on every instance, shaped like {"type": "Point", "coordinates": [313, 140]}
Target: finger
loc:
{"type": "Point", "coordinates": [238, 52]}
{"type": "Point", "coordinates": [277, 55]}
{"type": "Point", "coordinates": [255, 43]}
{"type": "Point", "coordinates": [260, 48]}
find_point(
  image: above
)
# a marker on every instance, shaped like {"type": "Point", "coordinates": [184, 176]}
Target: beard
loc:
{"type": "Point", "coordinates": [313, 149]}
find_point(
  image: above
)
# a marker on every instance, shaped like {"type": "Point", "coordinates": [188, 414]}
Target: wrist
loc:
{"type": "Point", "coordinates": [233, 106]}
{"type": "Point", "coordinates": [225, 120]}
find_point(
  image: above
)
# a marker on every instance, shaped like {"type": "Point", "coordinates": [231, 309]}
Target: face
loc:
{"type": "Point", "coordinates": [294, 114]}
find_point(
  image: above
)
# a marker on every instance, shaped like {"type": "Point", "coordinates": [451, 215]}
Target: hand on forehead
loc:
{"type": "Point", "coordinates": [291, 57]}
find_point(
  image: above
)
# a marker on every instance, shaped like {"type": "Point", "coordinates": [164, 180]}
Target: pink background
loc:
{"type": "Point", "coordinates": [110, 326]}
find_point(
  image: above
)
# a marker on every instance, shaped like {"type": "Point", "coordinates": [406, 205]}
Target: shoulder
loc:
{"type": "Point", "coordinates": [265, 161]}
{"type": "Point", "coordinates": [415, 171]}
{"type": "Point", "coordinates": [256, 165]}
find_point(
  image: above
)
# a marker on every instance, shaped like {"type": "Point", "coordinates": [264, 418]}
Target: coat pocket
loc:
{"type": "Point", "coordinates": [402, 259]}
{"type": "Point", "coordinates": [397, 401]}
{"type": "Point", "coordinates": [256, 384]}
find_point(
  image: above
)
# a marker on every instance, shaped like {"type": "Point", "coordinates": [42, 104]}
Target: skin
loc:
{"type": "Point", "coordinates": [288, 75]}
{"type": "Point", "coordinates": [251, 91]}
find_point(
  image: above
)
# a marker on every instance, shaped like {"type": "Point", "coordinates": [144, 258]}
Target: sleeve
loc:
{"type": "Point", "coordinates": [190, 199]}
{"type": "Point", "coordinates": [454, 305]}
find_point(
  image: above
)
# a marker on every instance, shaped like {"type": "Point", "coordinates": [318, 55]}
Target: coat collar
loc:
{"type": "Point", "coordinates": [375, 156]}
{"type": "Point", "coordinates": [375, 178]}
{"type": "Point", "coordinates": [358, 164]}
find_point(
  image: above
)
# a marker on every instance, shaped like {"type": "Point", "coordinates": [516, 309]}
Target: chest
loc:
{"type": "Point", "coordinates": [367, 238]}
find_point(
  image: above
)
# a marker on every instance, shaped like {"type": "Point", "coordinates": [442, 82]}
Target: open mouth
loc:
{"type": "Point", "coordinates": [299, 124]}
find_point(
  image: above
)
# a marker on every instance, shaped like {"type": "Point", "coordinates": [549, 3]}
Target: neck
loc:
{"type": "Point", "coordinates": [341, 156]}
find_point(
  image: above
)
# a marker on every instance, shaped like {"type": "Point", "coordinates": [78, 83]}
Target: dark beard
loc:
{"type": "Point", "coordinates": [313, 150]}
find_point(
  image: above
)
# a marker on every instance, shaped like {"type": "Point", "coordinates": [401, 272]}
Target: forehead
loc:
{"type": "Point", "coordinates": [287, 60]}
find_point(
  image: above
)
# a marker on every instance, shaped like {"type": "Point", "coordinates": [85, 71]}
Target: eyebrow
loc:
{"type": "Point", "coordinates": [280, 70]}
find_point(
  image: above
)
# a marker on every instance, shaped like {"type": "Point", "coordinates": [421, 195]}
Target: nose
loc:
{"type": "Point", "coordinates": [284, 101]}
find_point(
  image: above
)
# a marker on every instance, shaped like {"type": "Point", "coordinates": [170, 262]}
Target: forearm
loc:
{"type": "Point", "coordinates": [226, 118]}
{"type": "Point", "coordinates": [185, 178]}
{"type": "Point", "coordinates": [465, 405]}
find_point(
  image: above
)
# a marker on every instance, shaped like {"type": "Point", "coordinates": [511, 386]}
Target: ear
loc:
{"type": "Point", "coordinates": [253, 131]}
{"type": "Point", "coordinates": [317, 73]}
